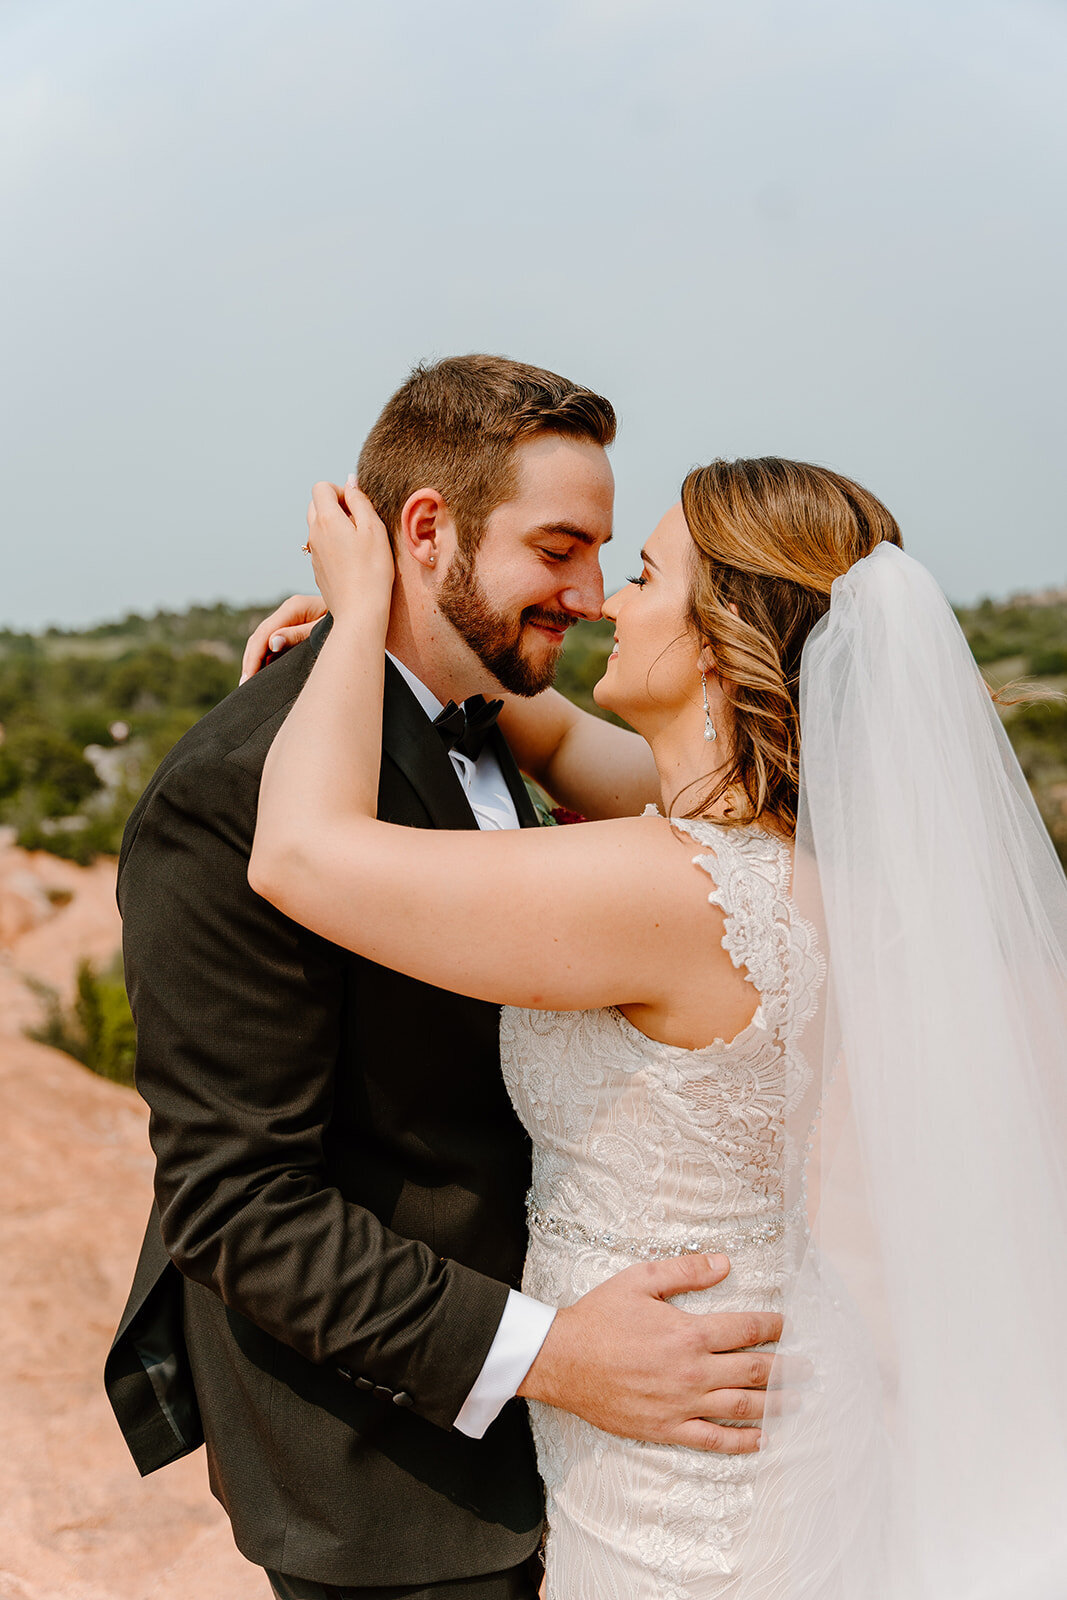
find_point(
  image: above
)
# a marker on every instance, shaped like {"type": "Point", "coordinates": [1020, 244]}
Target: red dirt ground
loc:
{"type": "Point", "coordinates": [76, 1520]}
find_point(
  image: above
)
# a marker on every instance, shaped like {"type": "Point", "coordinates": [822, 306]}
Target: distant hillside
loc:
{"type": "Point", "coordinates": [1026, 637]}
{"type": "Point", "coordinates": [87, 715]}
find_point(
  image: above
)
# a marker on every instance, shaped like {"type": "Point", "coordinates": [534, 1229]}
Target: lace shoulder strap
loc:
{"type": "Point", "coordinates": [751, 871]}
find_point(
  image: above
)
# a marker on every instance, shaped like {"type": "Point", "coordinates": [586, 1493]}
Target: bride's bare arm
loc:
{"type": "Point", "coordinates": [557, 918]}
{"type": "Point", "coordinates": [560, 918]}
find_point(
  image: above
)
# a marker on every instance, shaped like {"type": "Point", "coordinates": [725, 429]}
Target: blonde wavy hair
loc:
{"type": "Point", "coordinates": [770, 536]}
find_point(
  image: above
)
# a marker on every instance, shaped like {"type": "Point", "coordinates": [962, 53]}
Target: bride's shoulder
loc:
{"type": "Point", "coordinates": [657, 853]}
{"type": "Point", "coordinates": [641, 845]}
{"type": "Point", "coordinates": [660, 851]}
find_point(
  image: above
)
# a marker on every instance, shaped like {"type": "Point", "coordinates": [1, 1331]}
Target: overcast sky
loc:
{"type": "Point", "coordinates": [831, 229]}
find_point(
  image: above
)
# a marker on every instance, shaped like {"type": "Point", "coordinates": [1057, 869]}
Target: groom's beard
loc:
{"type": "Point", "coordinates": [495, 637]}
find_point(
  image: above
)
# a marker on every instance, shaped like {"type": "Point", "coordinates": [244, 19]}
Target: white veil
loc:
{"type": "Point", "coordinates": [928, 1457]}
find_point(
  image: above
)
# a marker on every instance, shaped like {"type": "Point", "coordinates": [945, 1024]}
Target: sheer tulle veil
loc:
{"type": "Point", "coordinates": [926, 1136]}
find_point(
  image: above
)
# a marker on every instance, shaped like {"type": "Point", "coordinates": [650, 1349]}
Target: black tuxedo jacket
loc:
{"type": "Point", "coordinates": [340, 1182]}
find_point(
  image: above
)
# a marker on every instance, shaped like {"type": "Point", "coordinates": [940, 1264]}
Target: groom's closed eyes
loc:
{"type": "Point", "coordinates": [564, 530]}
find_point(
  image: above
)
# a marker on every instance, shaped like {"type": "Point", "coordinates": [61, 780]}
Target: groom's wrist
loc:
{"type": "Point", "coordinates": [552, 1371]}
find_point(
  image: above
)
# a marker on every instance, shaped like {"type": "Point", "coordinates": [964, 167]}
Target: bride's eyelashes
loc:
{"type": "Point", "coordinates": [640, 581]}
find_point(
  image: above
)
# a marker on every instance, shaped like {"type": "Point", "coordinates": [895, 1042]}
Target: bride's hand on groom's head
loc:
{"type": "Point", "coordinates": [292, 621]}
{"type": "Point", "coordinates": [350, 553]}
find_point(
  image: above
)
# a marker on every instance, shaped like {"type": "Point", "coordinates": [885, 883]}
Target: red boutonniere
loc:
{"type": "Point", "coordinates": [561, 816]}
{"type": "Point", "coordinates": [551, 816]}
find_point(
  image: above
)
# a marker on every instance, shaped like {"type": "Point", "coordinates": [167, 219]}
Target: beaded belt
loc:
{"type": "Point", "coordinates": [733, 1235]}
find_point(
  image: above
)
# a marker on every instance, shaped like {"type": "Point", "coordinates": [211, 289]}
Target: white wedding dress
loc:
{"type": "Point", "coordinates": [923, 1282]}
{"type": "Point", "coordinates": [643, 1150]}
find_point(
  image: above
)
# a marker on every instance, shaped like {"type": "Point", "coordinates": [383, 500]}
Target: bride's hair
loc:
{"type": "Point", "coordinates": [770, 537]}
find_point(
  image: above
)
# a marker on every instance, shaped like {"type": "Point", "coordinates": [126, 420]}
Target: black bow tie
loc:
{"type": "Point", "coordinates": [465, 728]}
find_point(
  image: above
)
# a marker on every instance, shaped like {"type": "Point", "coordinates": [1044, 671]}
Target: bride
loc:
{"type": "Point", "coordinates": [878, 1148]}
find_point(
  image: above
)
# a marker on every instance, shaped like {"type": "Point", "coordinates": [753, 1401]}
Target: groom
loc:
{"type": "Point", "coordinates": [326, 1293]}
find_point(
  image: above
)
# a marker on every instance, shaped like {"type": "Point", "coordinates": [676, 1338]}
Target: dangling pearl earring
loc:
{"type": "Point", "coordinates": [709, 726]}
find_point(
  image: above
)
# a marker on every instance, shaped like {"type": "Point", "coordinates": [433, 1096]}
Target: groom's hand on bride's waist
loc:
{"type": "Point", "coordinates": [632, 1364]}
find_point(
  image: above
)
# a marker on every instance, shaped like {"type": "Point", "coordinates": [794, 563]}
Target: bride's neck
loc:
{"type": "Point", "coordinates": [688, 765]}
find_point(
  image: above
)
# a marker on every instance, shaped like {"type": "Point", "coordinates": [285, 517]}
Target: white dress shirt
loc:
{"type": "Point", "coordinates": [525, 1322]}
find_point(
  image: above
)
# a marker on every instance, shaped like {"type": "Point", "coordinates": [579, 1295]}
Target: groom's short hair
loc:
{"type": "Point", "coordinates": [453, 427]}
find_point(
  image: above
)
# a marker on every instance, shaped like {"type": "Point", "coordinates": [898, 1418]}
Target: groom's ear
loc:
{"type": "Point", "coordinates": [427, 532]}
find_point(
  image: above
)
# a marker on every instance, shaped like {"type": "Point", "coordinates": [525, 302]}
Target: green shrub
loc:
{"type": "Point", "coordinates": [202, 680]}
{"type": "Point", "coordinates": [1045, 720]}
{"type": "Point", "coordinates": [88, 725]}
{"type": "Point", "coordinates": [1050, 663]}
{"type": "Point", "coordinates": [49, 764]}
{"type": "Point", "coordinates": [10, 776]}
{"type": "Point", "coordinates": [97, 1027]}
{"type": "Point", "coordinates": [143, 680]}
{"type": "Point", "coordinates": [101, 836]}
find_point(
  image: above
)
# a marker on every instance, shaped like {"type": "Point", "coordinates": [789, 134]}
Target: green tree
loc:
{"type": "Point", "coordinates": [52, 766]}
{"type": "Point", "coordinates": [202, 680]}
{"type": "Point", "coordinates": [144, 678]}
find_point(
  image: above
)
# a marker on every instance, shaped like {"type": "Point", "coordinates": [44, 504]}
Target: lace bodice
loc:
{"type": "Point", "coordinates": [643, 1149]}
{"type": "Point", "coordinates": [653, 1140]}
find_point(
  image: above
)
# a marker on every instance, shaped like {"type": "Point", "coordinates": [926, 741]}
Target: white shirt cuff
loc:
{"type": "Point", "coordinates": [522, 1331]}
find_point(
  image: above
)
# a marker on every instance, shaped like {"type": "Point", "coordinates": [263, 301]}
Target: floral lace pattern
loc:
{"type": "Point", "coordinates": [641, 1140]}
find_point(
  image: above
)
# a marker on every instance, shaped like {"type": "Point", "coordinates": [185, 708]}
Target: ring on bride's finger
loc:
{"type": "Point", "coordinates": [306, 547]}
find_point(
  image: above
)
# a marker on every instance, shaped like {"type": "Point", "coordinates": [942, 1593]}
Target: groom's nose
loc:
{"type": "Point", "coordinates": [584, 595]}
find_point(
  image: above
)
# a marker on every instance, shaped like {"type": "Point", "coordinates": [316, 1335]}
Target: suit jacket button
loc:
{"type": "Point", "coordinates": [382, 1391]}
{"type": "Point", "coordinates": [401, 1398]}
{"type": "Point", "coordinates": [345, 1373]}
{"type": "Point", "coordinates": [364, 1383]}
